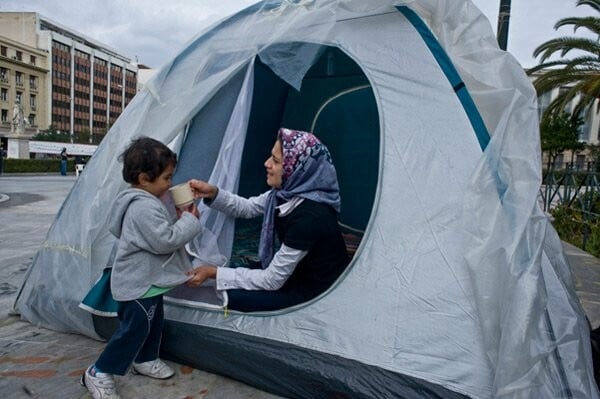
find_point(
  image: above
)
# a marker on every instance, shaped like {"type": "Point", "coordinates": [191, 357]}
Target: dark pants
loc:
{"type": "Point", "coordinates": [262, 300]}
{"type": "Point", "coordinates": [255, 301]}
{"type": "Point", "coordinates": [137, 338]}
{"type": "Point", "coordinates": [63, 167]}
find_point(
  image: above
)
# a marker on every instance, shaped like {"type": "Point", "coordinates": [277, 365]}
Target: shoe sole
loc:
{"type": "Point", "coordinates": [134, 371]}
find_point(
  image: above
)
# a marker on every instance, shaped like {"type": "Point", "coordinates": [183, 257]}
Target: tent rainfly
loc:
{"type": "Point", "coordinates": [459, 286]}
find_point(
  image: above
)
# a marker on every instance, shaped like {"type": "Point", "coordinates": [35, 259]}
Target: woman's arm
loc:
{"type": "Point", "coordinates": [272, 278]}
{"type": "Point", "coordinates": [229, 203]}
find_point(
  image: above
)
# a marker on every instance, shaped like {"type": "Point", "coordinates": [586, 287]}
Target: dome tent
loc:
{"type": "Point", "coordinates": [459, 286]}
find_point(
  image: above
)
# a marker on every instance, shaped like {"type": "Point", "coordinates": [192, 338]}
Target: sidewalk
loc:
{"type": "Point", "coordinates": [586, 273]}
{"type": "Point", "coordinates": [40, 363]}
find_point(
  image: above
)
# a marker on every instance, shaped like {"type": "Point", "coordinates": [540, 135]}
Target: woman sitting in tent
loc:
{"type": "Point", "coordinates": [302, 209]}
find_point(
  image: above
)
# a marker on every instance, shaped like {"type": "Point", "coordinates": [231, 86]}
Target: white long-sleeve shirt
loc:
{"type": "Point", "coordinates": [284, 261]}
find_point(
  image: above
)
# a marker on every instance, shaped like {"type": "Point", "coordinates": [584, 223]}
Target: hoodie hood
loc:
{"type": "Point", "coordinates": [121, 204]}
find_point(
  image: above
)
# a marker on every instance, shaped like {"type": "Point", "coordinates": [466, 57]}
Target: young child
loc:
{"type": "Point", "coordinates": [150, 260]}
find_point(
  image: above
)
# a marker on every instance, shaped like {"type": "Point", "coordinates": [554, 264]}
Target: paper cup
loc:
{"type": "Point", "coordinates": [182, 195]}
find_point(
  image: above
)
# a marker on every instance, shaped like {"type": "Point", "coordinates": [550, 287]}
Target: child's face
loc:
{"type": "Point", "coordinates": [161, 184]}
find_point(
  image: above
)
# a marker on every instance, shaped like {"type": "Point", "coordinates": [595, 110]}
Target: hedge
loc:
{"type": "Point", "coordinates": [12, 165]}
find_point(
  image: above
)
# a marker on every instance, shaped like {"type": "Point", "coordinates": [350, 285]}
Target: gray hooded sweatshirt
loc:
{"type": "Point", "coordinates": [151, 244]}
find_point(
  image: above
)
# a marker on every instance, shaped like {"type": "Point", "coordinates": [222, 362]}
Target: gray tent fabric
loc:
{"type": "Point", "coordinates": [459, 286]}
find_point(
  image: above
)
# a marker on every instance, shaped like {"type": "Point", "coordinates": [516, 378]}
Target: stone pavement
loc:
{"type": "Point", "coordinates": [40, 363]}
{"type": "Point", "coordinates": [586, 272]}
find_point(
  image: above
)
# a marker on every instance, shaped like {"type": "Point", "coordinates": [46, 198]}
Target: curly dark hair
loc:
{"type": "Point", "coordinates": [146, 155]}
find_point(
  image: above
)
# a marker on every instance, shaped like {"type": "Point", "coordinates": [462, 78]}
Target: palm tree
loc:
{"type": "Point", "coordinates": [579, 74]}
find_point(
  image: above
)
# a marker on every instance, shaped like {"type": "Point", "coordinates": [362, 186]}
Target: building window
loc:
{"type": "Point", "coordinates": [580, 162]}
{"type": "Point", "coordinates": [32, 59]}
{"type": "Point", "coordinates": [32, 119]}
{"type": "Point", "coordinates": [3, 50]}
{"type": "Point", "coordinates": [19, 55]}
{"type": "Point", "coordinates": [3, 75]}
{"type": "Point", "coordinates": [19, 97]}
{"type": "Point", "coordinates": [4, 115]}
{"type": "Point", "coordinates": [559, 161]}
{"type": "Point", "coordinates": [33, 82]}
{"type": "Point", "coordinates": [32, 104]}
{"type": "Point", "coordinates": [19, 78]}
{"type": "Point", "coordinates": [3, 94]}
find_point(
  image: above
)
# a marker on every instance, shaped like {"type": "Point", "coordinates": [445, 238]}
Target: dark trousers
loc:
{"type": "Point", "coordinates": [255, 301]}
{"type": "Point", "coordinates": [137, 338]}
{"type": "Point", "coordinates": [63, 167]}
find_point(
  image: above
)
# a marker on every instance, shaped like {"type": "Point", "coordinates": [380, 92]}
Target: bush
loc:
{"type": "Point", "coordinates": [574, 229]}
{"type": "Point", "coordinates": [36, 165]}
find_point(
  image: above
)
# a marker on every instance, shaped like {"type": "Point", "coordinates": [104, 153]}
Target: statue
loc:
{"type": "Point", "coordinates": [17, 125]}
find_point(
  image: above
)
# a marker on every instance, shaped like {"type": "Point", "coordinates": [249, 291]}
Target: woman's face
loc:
{"type": "Point", "coordinates": [274, 166]}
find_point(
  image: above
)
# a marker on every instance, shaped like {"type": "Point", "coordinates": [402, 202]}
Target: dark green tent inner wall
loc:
{"type": "Point", "coordinates": [337, 100]}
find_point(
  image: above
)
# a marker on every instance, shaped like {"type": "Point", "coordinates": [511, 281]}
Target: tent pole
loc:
{"type": "Point", "coordinates": [503, 20]}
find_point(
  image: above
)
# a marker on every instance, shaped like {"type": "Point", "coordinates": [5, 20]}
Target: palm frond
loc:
{"type": "Point", "coordinates": [564, 45]}
{"type": "Point", "coordinates": [595, 4]}
{"type": "Point", "coordinates": [546, 65]}
{"type": "Point", "coordinates": [590, 23]}
{"type": "Point", "coordinates": [559, 78]}
{"type": "Point", "coordinates": [577, 77]}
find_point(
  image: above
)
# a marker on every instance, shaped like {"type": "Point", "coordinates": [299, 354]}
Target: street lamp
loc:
{"type": "Point", "coordinates": [503, 19]}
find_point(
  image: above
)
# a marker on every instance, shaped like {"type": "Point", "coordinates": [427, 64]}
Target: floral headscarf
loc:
{"type": "Point", "coordinates": [308, 172]}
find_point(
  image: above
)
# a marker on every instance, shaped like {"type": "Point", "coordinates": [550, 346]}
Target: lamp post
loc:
{"type": "Point", "coordinates": [503, 20]}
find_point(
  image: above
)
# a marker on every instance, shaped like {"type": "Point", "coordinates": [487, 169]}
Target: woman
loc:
{"type": "Point", "coordinates": [301, 208]}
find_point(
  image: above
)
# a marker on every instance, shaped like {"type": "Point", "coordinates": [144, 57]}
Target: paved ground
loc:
{"type": "Point", "coordinates": [40, 363]}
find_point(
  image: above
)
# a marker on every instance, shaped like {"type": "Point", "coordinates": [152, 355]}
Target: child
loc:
{"type": "Point", "coordinates": [150, 260]}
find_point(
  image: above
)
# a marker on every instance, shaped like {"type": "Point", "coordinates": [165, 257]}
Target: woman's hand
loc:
{"type": "Point", "coordinates": [200, 275]}
{"type": "Point", "coordinates": [202, 189]}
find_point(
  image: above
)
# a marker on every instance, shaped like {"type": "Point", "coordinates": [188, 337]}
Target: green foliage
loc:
{"type": "Point", "coordinates": [580, 223]}
{"type": "Point", "coordinates": [560, 132]}
{"type": "Point", "coordinates": [35, 165]}
{"type": "Point", "coordinates": [54, 135]}
{"type": "Point", "coordinates": [580, 74]}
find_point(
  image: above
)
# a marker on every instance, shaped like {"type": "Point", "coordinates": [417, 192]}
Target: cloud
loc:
{"type": "Point", "coordinates": [155, 31]}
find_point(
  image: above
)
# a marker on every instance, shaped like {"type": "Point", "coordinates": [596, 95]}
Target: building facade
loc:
{"type": "Point", "coordinates": [23, 81]}
{"type": "Point", "coordinates": [88, 83]}
{"type": "Point", "coordinates": [589, 131]}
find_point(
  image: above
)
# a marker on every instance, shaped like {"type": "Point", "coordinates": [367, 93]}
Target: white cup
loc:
{"type": "Point", "coordinates": [182, 195]}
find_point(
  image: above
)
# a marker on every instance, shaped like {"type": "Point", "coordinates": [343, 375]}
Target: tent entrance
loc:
{"type": "Point", "coordinates": [335, 102]}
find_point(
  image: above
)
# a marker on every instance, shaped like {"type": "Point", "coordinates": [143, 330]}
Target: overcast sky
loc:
{"type": "Point", "coordinates": [154, 31]}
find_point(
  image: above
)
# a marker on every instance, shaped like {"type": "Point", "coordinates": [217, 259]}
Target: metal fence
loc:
{"type": "Point", "coordinates": [571, 186]}
{"type": "Point", "coordinates": [576, 188]}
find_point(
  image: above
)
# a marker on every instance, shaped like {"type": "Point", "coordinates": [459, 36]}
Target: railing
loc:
{"type": "Point", "coordinates": [564, 187]}
{"type": "Point", "coordinates": [577, 188]}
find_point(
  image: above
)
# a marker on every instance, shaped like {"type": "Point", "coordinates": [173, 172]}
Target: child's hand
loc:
{"type": "Point", "coordinates": [192, 208]}
{"type": "Point", "coordinates": [200, 275]}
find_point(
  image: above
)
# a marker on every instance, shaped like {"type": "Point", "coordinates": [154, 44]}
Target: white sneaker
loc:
{"type": "Point", "coordinates": [154, 368]}
{"type": "Point", "coordinates": [100, 385]}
